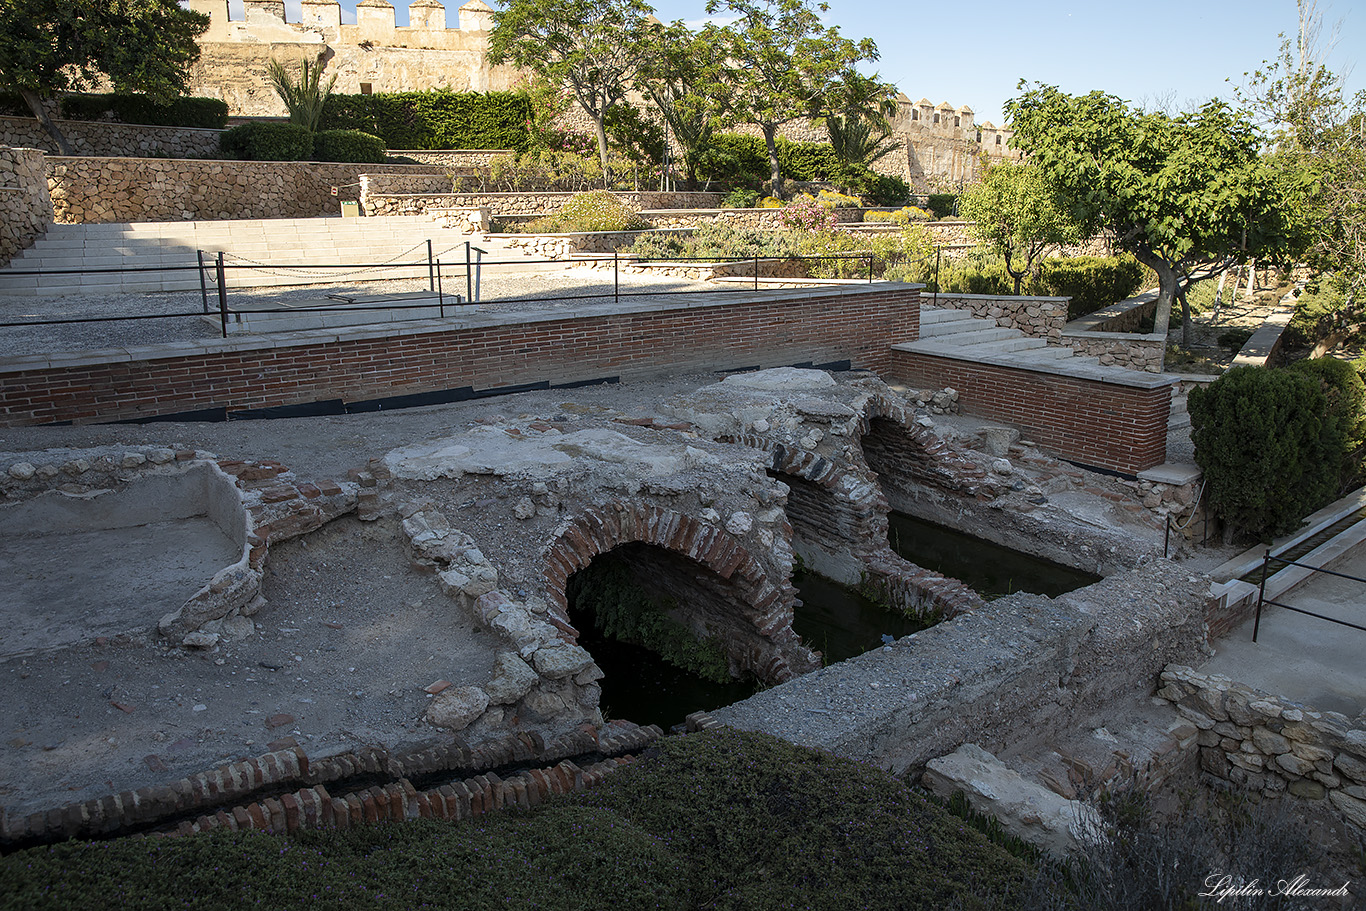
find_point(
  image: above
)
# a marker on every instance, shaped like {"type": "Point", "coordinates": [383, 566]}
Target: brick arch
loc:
{"type": "Point", "coordinates": [774, 654]}
{"type": "Point", "coordinates": [916, 453]}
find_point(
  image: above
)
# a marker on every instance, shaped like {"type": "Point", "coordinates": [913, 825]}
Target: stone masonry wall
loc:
{"type": "Point", "coordinates": [102, 190]}
{"type": "Point", "coordinates": [105, 139]}
{"type": "Point", "coordinates": [1128, 350]}
{"type": "Point", "coordinates": [1040, 317]}
{"type": "Point", "coordinates": [367, 364]}
{"type": "Point", "coordinates": [1266, 743]}
{"type": "Point", "coordinates": [25, 207]}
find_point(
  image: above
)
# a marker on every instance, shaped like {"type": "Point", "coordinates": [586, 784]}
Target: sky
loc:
{"type": "Point", "coordinates": [1159, 54]}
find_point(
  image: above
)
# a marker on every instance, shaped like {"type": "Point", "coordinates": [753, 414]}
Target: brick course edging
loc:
{"type": "Point", "coordinates": [216, 793]}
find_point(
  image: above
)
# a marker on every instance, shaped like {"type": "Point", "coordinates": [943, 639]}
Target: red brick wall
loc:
{"type": "Point", "coordinates": [724, 333]}
{"type": "Point", "coordinates": [1107, 425]}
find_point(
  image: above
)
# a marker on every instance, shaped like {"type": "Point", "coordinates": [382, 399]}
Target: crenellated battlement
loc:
{"type": "Point", "coordinates": [265, 20]}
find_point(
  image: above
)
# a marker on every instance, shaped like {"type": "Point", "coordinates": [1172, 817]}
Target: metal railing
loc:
{"type": "Point", "coordinates": [213, 270]}
{"type": "Point", "coordinates": [1263, 600]}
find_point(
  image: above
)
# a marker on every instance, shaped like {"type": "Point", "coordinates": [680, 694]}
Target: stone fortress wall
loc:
{"type": "Point", "coordinates": [942, 146]}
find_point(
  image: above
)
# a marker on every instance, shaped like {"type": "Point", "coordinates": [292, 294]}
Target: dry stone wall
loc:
{"type": "Point", "coordinates": [25, 206]}
{"type": "Point", "coordinates": [1130, 350]}
{"type": "Point", "coordinates": [1040, 317]}
{"type": "Point", "coordinates": [380, 196]}
{"type": "Point", "coordinates": [1266, 743]}
{"type": "Point", "coordinates": [102, 190]}
{"type": "Point", "coordinates": [108, 139]}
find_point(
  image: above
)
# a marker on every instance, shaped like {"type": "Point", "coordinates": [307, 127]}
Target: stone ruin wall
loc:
{"type": "Point", "coordinates": [25, 206]}
{"type": "Point", "coordinates": [1266, 743]}
{"type": "Point", "coordinates": [101, 138]}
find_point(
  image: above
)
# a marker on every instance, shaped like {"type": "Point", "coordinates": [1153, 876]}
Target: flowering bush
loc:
{"type": "Point", "coordinates": [805, 213]}
{"type": "Point", "coordinates": [838, 200]}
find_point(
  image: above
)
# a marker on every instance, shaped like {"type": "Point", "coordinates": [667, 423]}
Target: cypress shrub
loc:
{"type": "Point", "coordinates": [1268, 449]}
{"type": "Point", "coordinates": [1345, 430]}
{"type": "Point", "coordinates": [347, 145]}
{"type": "Point", "coordinates": [265, 141]}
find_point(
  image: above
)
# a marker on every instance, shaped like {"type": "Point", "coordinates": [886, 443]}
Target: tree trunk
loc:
{"type": "Point", "coordinates": [601, 132]}
{"type": "Point", "coordinates": [1185, 319]}
{"type": "Point", "coordinates": [1167, 285]}
{"type": "Point", "coordinates": [35, 104]}
{"type": "Point", "coordinates": [771, 143]}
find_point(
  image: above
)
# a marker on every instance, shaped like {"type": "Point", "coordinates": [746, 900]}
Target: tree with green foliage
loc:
{"type": "Point", "coordinates": [782, 63]}
{"type": "Point", "coordinates": [1270, 452]}
{"type": "Point", "coordinates": [47, 47]}
{"type": "Point", "coordinates": [304, 98]}
{"type": "Point", "coordinates": [681, 73]}
{"type": "Point", "coordinates": [857, 112]}
{"type": "Point", "coordinates": [1319, 131]}
{"type": "Point", "coordinates": [1016, 212]}
{"type": "Point", "coordinates": [595, 47]}
{"type": "Point", "coordinates": [1187, 194]}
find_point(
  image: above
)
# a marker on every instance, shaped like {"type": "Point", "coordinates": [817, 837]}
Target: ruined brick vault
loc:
{"type": "Point", "coordinates": [711, 499]}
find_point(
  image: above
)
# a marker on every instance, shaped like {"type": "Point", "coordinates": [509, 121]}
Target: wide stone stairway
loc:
{"type": "Point", "coordinates": [161, 256]}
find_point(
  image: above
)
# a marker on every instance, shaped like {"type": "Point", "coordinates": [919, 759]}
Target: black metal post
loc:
{"type": "Point", "coordinates": [222, 293]}
{"type": "Point", "coordinates": [870, 268]}
{"type": "Point", "coordinates": [431, 276]}
{"type": "Point", "coordinates": [1167, 537]}
{"type": "Point", "coordinates": [935, 298]}
{"type": "Point", "coordinates": [616, 278]}
{"type": "Point", "coordinates": [756, 273]}
{"type": "Point", "coordinates": [440, 298]}
{"type": "Point", "coordinates": [478, 273]}
{"type": "Point", "coordinates": [203, 281]}
{"type": "Point", "coordinates": [1261, 596]}
{"type": "Point", "coordinates": [469, 286]}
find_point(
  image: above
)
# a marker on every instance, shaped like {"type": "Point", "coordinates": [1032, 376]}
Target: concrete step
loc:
{"type": "Point", "coordinates": [1014, 343]}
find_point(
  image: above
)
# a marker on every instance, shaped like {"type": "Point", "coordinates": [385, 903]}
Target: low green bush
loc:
{"type": "Point", "coordinates": [1318, 310]}
{"type": "Point", "coordinates": [597, 210]}
{"type": "Point", "coordinates": [348, 145]}
{"type": "Point", "coordinates": [200, 113]}
{"type": "Point", "coordinates": [262, 140]}
{"type": "Point", "coordinates": [943, 205]}
{"type": "Point", "coordinates": [1270, 452]}
{"type": "Point", "coordinates": [1092, 282]}
{"type": "Point", "coordinates": [740, 198]}
{"type": "Point", "coordinates": [1345, 424]}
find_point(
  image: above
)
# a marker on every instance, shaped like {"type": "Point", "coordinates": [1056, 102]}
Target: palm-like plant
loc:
{"type": "Point", "coordinates": [304, 99]}
{"type": "Point", "coordinates": [856, 140]}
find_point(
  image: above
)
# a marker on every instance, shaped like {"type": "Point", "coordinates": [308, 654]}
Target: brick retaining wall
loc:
{"type": "Point", "coordinates": [701, 332]}
{"type": "Point", "coordinates": [1118, 426]}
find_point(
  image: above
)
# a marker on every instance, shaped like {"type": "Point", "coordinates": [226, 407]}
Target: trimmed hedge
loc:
{"type": "Point", "coordinates": [348, 145]}
{"type": "Point", "coordinates": [199, 113]}
{"type": "Point", "coordinates": [1268, 447]}
{"type": "Point", "coordinates": [435, 120]}
{"type": "Point", "coordinates": [1092, 282]}
{"type": "Point", "coordinates": [721, 820]}
{"type": "Point", "coordinates": [266, 141]}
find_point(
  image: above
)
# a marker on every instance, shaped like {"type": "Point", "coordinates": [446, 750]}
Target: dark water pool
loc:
{"type": "Point", "coordinates": [990, 569]}
{"type": "Point", "coordinates": [833, 619]}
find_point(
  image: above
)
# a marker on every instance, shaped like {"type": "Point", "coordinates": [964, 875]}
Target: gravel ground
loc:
{"type": "Point", "coordinates": [499, 293]}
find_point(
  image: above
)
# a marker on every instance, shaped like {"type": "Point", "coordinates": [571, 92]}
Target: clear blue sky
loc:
{"type": "Point", "coordinates": [974, 53]}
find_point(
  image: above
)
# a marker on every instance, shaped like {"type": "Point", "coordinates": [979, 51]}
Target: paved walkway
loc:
{"type": "Point", "coordinates": [1303, 658]}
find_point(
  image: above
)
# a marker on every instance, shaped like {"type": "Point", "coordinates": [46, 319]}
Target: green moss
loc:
{"type": "Point", "coordinates": [623, 610]}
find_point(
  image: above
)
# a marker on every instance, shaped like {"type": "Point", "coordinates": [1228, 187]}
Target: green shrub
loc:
{"type": "Point", "coordinates": [597, 210]}
{"type": "Point", "coordinates": [201, 113]}
{"type": "Point", "coordinates": [654, 246]}
{"type": "Point", "coordinates": [1234, 339]}
{"type": "Point", "coordinates": [879, 216]}
{"type": "Point", "coordinates": [262, 140]}
{"type": "Point", "coordinates": [436, 119]}
{"type": "Point", "coordinates": [1345, 429]}
{"type": "Point", "coordinates": [1092, 282]}
{"type": "Point", "coordinates": [12, 104]}
{"type": "Point", "coordinates": [943, 205]}
{"type": "Point", "coordinates": [1317, 310]}
{"type": "Point", "coordinates": [740, 198]}
{"type": "Point", "coordinates": [1270, 453]}
{"type": "Point", "coordinates": [348, 145]}
{"type": "Point", "coordinates": [882, 248]}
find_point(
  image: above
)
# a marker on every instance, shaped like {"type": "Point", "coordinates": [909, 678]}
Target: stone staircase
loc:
{"type": "Point", "coordinates": [153, 256]}
{"type": "Point", "coordinates": [958, 333]}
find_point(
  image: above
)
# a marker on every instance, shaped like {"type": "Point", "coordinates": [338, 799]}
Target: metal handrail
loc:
{"type": "Point", "coordinates": [1262, 599]}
